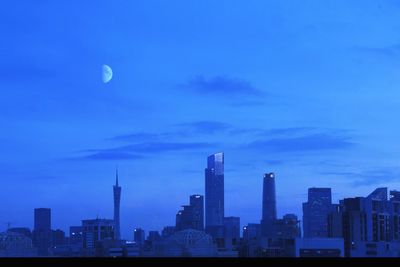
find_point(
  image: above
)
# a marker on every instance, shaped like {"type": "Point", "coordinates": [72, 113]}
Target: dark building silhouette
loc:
{"type": "Point", "coordinates": [58, 237]}
{"type": "Point", "coordinates": [214, 187]}
{"type": "Point", "coordinates": [251, 239]}
{"type": "Point", "coordinates": [153, 236]}
{"type": "Point", "coordinates": [42, 220]}
{"type": "Point", "coordinates": [168, 231]}
{"type": "Point", "coordinates": [214, 198]}
{"type": "Point", "coordinates": [288, 227]}
{"type": "Point", "coordinates": [76, 235]}
{"type": "Point", "coordinates": [42, 234]}
{"type": "Point", "coordinates": [231, 233]}
{"type": "Point", "coordinates": [117, 199]}
{"type": "Point", "coordinates": [95, 231]}
{"type": "Point", "coordinates": [191, 217]}
{"type": "Point", "coordinates": [284, 233]}
{"type": "Point", "coordinates": [75, 241]}
{"type": "Point", "coordinates": [197, 202]}
{"type": "Point", "coordinates": [268, 206]}
{"type": "Point", "coordinates": [139, 236]}
{"type": "Point", "coordinates": [369, 225]}
{"type": "Point", "coordinates": [152, 242]}
{"type": "Point", "coordinates": [251, 231]}
{"type": "Point", "coordinates": [21, 230]}
{"type": "Point", "coordinates": [315, 212]}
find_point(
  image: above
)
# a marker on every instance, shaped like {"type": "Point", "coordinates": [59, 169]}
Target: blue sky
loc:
{"type": "Point", "coordinates": [306, 89]}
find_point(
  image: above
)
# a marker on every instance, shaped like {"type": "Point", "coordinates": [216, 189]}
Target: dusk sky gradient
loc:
{"type": "Point", "coordinates": [307, 89]}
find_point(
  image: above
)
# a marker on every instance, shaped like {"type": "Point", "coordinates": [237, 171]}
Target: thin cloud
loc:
{"type": "Point", "coordinates": [137, 151]}
{"type": "Point", "coordinates": [110, 155]}
{"type": "Point", "coordinates": [367, 178]}
{"type": "Point", "coordinates": [135, 137]}
{"type": "Point", "coordinates": [206, 127]}
{"type": "Point", "coordinates": [181, 130]}
{"type": "Point", "coordinates": [313, 142]}
{"type": "Point", "coordinates": [289, 131]}
{"type": "Point", "coordinates": [223, 86]}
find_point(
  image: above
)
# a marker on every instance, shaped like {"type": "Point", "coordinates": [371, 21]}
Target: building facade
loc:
{"type": "Point", "coordinates": [197, 202]}
{"type": "Point", "coordinates": [94, 231]}
{"type": "Point", "coordinates": [232, 233]}
{"type": "Point", "coordinates": [42, 234]}
{"type": "Point", "coordinates": [188, 243]}
{"type": "Point", "coordinates": [319, 247]}
{"type": "Point", "coordinates": [214, 189]}
{"type": "Point", "coordinates": [369, 225]}
{"type": "Point", "coordinates": [191, 217]}
{"type": "Point", "coordinates": [287, 228]}
{"type": "Point", "coordinates": [268, 206]}
{"type": "Point", "coordinates": [315, 212]}
{"type": "Point", "coordinates": [139, 236]}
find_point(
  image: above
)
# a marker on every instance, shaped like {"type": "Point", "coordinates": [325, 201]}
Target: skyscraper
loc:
{"type": "Point", "coordinates": [268, 206]}
{"type": "Point", "coordinates": [42, 235]}
{"type": "Point", "coordinates": [197, 202]}
{"type": "Point", "coordinates": [315, 212]}
{"type": "Point", "coordinates": [42, 220]}
{"type": "Point", "coordinates": [117, 199]}
{"type": "Point", "coordinates": [214, 185]}
{"type": "Point", "coordinates": [191, 217]}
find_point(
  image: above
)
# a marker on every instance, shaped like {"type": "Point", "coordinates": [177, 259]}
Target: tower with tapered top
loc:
{"type": "Point", "coordinates": [117, 200]}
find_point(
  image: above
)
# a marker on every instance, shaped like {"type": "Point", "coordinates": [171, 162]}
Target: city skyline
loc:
{"type": "Point", "coordinates": [268, 201]}
{"type": "Point", "coordinates": [366, 226]}
{"type": "Point", "coordinates": [307, 90]}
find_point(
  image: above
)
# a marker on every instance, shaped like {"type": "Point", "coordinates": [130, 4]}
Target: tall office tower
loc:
{"type": "Point", "coordinates": [42, 219]}
{"type": "Point", "coordinates": [268, 206]}
{"type": "Point", "coordinates": [214, 184]}
{"type": "Point", "coordinates": [315, 212]}
{"type": "Point", "coordinates": [117, 199]}
{"type": "Point", "coordinates": [191, 217]}
{"type": "Point", "coordinates": [197, 202]}
{"type": "Point", "coordinates": [42, 235]}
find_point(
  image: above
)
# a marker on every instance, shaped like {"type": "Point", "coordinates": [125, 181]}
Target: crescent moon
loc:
{"type": "Point", "coordinates": [107, 74]}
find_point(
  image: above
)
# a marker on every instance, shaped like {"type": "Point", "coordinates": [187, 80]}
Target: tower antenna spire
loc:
{"type": "Point", "coordinates": [116, 176]}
